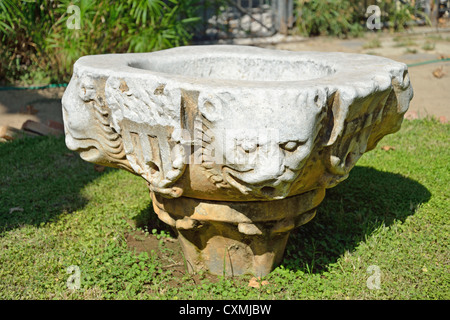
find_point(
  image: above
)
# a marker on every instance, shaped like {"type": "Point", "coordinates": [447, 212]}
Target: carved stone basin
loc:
{"type": "Point", "coordinates": [237, 144]}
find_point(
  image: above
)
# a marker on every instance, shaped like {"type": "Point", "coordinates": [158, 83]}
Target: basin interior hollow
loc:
{"type": "Point", "coordinates": [237, 68]}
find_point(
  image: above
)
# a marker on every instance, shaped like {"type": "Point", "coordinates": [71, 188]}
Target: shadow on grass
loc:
{"type": "Point", "coordinates": [148, 219]}
{"type": "Point", "coordinates": [40, 179]}
{"type": "Point", "coordinates": [349, 214]}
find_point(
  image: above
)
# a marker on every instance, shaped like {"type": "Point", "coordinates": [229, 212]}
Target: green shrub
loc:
{"type": "Point", "coordinates": [37, 37]}
{"type": "Point", "coordinates": [396, 15]}
{"type": "Point", "coordinates": [348, 17]}
{"type": "Point", "coordinates": [327, 17]}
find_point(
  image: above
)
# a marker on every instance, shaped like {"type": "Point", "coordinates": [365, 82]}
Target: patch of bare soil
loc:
{"type": "Point", "coordinates": [168, 252]}
{"type": "Point", "coordinates": [18, 106]}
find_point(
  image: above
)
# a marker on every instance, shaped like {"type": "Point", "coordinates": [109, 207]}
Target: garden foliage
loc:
{"type": "Point", "coordinates": [345, 18]}
{"type": "Point", "coordinates": [40, 39]}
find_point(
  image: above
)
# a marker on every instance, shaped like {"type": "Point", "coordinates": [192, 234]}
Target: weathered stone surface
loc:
{"type": "Point", "coordinates": [242, 236]}
{"type": "Point", "coordinates": [229, 138]}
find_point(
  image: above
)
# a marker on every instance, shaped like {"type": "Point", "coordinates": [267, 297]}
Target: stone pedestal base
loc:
{"type": "Point", "coordinates": [235, 238]}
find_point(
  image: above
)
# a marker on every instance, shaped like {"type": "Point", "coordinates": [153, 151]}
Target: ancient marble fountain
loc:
{"type": "Point", "coordinates": [237, 144]}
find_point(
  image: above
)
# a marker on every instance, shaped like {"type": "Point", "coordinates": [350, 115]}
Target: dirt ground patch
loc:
{"type": "Point", "coordinates": [169, 253]}
{"type": "Point", "coordinates": [168, 250]}
{"type": "Point", "coordinates": [18, 106]}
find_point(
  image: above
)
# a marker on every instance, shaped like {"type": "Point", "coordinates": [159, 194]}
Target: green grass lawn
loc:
{"type": "Point", "coordinates": [388, 219]}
